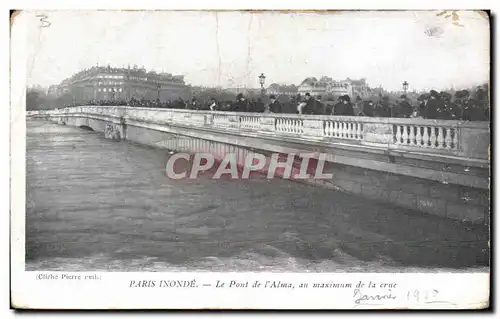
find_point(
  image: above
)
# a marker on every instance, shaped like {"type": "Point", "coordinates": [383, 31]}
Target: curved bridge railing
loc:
{"type": "Point", "coordinates": [466, 140]}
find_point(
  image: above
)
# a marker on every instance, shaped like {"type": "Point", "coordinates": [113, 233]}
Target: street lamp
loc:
{"type": "Point", "coordinates": [262, 79]}
{"type": "Point", "coordinates": [405, 86]}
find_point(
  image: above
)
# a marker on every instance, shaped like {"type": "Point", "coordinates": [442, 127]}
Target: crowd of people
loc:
{"type": "Point", "coordinates": [432, 105]}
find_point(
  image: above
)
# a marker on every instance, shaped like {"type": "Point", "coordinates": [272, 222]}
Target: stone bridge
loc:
{"type": "Point", "coordinates": [434, 166]}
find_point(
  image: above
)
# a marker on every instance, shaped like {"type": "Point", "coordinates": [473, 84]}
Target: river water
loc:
{"type": "Point", "coordinates": [97, 204]}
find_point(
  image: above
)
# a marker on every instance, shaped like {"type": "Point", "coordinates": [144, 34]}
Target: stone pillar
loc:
{"type": "Point", "coordinates": [377, 134]}
{"type": "Point", "coordinates": [474, 140]}
{"type": "Point", "coordinates": [313, 128]}
{"type": "Point", "coordinates": [267, 123]}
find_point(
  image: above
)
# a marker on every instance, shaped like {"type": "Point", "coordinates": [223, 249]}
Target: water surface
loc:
{"type": "Point", "coordinates": [97, 204]}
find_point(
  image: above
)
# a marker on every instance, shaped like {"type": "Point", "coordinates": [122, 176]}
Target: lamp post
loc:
{"type": "Point", "coordinates": [262, 80]}
{"type": "Point", "coordinates": [405, 87]}
{"type": "Point", "coordinates": [158, 86]}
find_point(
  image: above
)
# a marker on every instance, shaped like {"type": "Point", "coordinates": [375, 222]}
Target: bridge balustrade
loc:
{"type": "Point", "coordinates": [453, 138]}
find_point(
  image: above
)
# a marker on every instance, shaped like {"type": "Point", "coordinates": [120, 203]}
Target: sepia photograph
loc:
{"type": "Point", "coordinates": [265, 142]}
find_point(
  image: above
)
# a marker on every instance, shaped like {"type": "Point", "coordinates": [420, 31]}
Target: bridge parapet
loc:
{"type": "Point", "coordinates": [456, 138]}
{"type": "Point", "coordinates": [468, 140]}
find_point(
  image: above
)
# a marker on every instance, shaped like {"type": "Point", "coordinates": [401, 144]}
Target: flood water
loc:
{"type": "Point", "coordinates": [97, 204]}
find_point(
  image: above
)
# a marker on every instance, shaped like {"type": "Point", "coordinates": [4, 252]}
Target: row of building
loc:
{"type": "Point", "coordinates": [110, 83]}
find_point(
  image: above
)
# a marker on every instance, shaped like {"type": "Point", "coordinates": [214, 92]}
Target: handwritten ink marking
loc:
{"type": "Point", "coordinates": [425, 296]}
{"type": "Point", "coordinates": [361, 298]}
{"type": "Point", "coordinates": [43, 21]}
{"type": "Point", "coordinates": [434, 31]}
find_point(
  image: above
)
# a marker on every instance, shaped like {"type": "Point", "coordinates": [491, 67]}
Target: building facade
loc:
{"type": "Point", "coordinates": [328, 86]}
{"type": "Point", "coordinates": [339, 88]}
{"type": "Point", "coordinates": [313, 87]}
{"type": "Point", "coordinates": [107, 83]}
{"type": "Point", "coordinates": [359, 87]}
{"type": "Point", "coordinates": [278, 89]}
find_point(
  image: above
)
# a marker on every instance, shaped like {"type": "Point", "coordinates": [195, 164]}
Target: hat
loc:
{"type": "Point", "coordinates": [346, 98]}
{"type": "Point", "coordinates": [445, 95]}
{"type": "Point", "coordinates": [434, 93]}
{"type": "Point", "coordinates": [462, 94]}
{"type": "Point", "coordinates": [239, 96]}
{"type": "Point", "coordinates": [272, 97]}
{"type": "Point", "coordinates": [308, 94]}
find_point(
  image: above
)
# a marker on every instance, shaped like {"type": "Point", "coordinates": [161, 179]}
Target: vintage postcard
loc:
{"type": "Point", "coordinates": [211, 159]}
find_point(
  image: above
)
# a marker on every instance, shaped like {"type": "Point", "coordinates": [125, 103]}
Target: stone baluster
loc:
{"type": "Point", "coordinates": [359, 131]}
{"type": "Point", "coordinates": [398, 134]}
{"type": "Point", "coordinates": [418, 136]}
{"type": "Point", "coordinates": [405, 134]}
{"type": "Point", "coordinates": [411, 135]}
{"type": "Point", "coordinates": [433, 137]}
{"type": "Point", "coordinates": [447, 138]}
{"type": "Point", "coordinates": [440, 138]}
{"type": "Point", "coordinates": [426, 137]}
{"type": "Point", "coordinates": [455, 139]}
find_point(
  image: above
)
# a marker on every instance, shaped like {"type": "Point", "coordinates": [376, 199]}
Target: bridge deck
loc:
{"type": "Point", "coordinates": [97, 204]}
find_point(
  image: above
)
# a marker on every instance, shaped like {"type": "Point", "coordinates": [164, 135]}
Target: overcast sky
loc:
{"type": "Point", "coordinates": [233, 48]}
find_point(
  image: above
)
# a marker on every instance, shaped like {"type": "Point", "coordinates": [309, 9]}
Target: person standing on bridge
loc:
{"type": "Point", "coordinates": [344, 107]}
{"type": "Point", "coordinates": [368, 108]}
{"type": "Point", "coordinates": [241, 104]}
{"type": "Point", "coordinates": [213, 104]}
{"type": "Point", "coordinates": [275, 105]}
{"type": "Point", "coordinates": [435, 107]}
{"type": "Point", "coordinates": [404, 108]}
{"type": "Point", "coordinates": [309, 105]}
